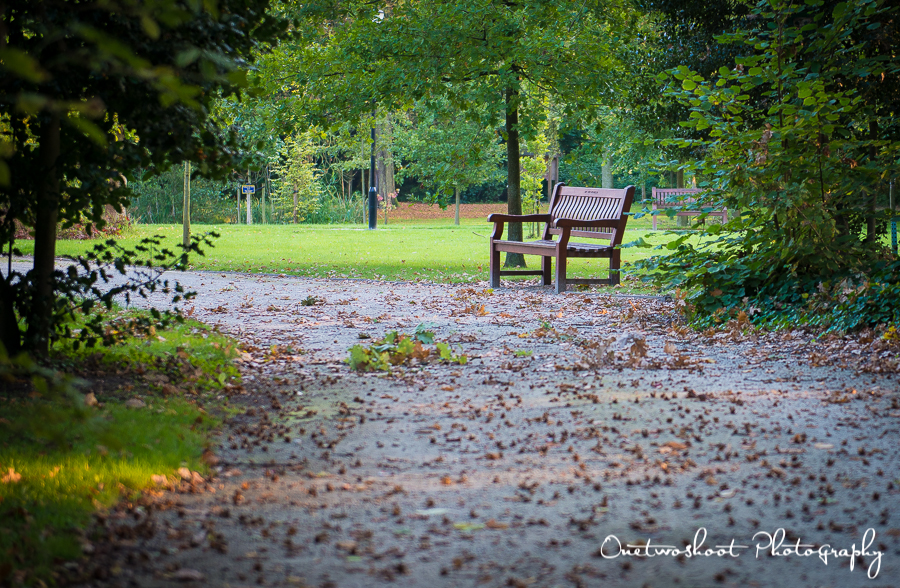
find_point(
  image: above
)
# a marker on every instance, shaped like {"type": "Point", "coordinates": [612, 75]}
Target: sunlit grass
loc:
{"type": "Point", "coordinates": [55, 479]}
{"type": "Point", "coordinates": [61, 460]}
{"type": "Point", "coordinates": [436, 250]}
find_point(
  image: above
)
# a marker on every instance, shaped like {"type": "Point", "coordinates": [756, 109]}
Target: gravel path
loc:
{"type": "Point", "coordinates": [585, 433]}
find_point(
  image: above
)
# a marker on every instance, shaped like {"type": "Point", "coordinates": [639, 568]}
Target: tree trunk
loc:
{"type": "Point", "coordinates": [249, 201]}
{"type": "Point", "coordinates": [384, 166]}
{"type": "Point", "coordinates": [186, 213]}
{"type": "Point", "coordinates": [873, 154]}
{"type": "Point", "coordinates": [456, 215]}
{"type": "Point", "coordinates": [606, 180]}
{"type": "Point", "coordinates": [296, 204]}
{"type": "Point", "coordinates": [10, 337]}
{"type": "Point", "coordinates": [385, 162]}
{"type": "Point", "coordinates": [513, 166]}
{"type": "Point", "coordinates": [40, 322]}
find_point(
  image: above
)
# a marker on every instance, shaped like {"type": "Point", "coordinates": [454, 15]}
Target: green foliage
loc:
{"type": "Point", "coordinates": [96, 92]}
{"type": "Point", "coordinates": [298, 179]}
{"type": "Point", "coordinates": [847, 303]}
{"type": "Point", "coordinates": [398, 349]}
{"type": "Point", "coordinates": [91, 285]}
{"type": "Point", "coordinates": [446, 151]}
{"type": "Point", "coordinates": [159, 198]}
{"type": "Point", "coordinates": [614, 138]}
{"type": "Point", "coordinates": [801, 136]}
{"type": "Point", "coordinates": [310, 301]}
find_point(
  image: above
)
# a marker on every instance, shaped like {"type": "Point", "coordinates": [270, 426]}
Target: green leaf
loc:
{"type": "Point", "coordinates": [424, 335]}
{"type": "Point", "coordinates": [839, 9]}
{"type": "Point", "coordinates": [89, 128]}
{"type": "Point", "coordinates": [150, 26]}
{"type": "Point", "coordinates": [23, 65]}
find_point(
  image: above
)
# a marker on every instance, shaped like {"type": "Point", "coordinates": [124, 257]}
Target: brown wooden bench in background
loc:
{"type": "Point", "coordinates": [670, 197]}
{"type": "Point", "coordinates": [592, 213]}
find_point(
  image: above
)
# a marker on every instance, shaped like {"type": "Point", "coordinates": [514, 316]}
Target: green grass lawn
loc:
{"type": "Point", "coordinates": [434, 250]}
{"type": "Point", "coordinates": [61, 458]}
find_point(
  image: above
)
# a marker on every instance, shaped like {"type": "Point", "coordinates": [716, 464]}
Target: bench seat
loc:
{"type": "Point", "coordinates": [592, 213]}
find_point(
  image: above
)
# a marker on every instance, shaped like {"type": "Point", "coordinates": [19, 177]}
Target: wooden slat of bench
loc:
{"type": "Point", "coordinates": [589, 204]}
{"type": "Point", "coordinates": [660, 200]}
{"type": "Point", "coordinates": [573, 249]}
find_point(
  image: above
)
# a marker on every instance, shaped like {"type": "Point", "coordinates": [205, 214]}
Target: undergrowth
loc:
{"type": "Point", "coordinates": [839, 304]}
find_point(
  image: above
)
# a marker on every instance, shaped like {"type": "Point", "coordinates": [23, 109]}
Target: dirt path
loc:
{"type": "Point", "coordinates": [518, 468]}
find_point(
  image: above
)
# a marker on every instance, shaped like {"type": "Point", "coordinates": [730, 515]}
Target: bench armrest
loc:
{"type": "Point", "coordinates": [572, 223]}
{"type": "Point", "coordinates": [518, 218]}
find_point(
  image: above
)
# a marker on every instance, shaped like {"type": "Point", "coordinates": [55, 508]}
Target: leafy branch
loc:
{"type": "Point", "coordinates": [398, 349]}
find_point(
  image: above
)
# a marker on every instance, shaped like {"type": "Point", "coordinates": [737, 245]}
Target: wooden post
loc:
{"type": "Point", "coordinates": [263, 194]}
{"type": "Point", "coordinates": [680, 221]}
{"type": "Point", "coordinates": [238, 219]}
{"type": "Point", "coordinates": [186, 213]}
{"type": "Point", "coordinates": [249, 202]}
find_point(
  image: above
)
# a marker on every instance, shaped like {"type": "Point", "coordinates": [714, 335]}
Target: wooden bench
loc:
{"type": "Point", "coordinates": [592, 213]}
{"type": "Point", "coordinates": [672, 197]}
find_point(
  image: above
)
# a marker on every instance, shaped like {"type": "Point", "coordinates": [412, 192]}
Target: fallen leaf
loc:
{"type": "Point", "coordinates": [188, 575]}
{"type": "Point", "coordinates": [492, 524]}
{"type": "Point", "coordinates": [11, 477]}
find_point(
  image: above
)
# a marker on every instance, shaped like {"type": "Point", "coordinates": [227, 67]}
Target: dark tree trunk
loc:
{"type": "Point", "coordinates": [40, 321]}
{"type": "Point", "coordinates": [514, 193]}
{"type": "Point", "coordinates": [873, 197]}
{"type": "Point", "coordinates": [10, 337]}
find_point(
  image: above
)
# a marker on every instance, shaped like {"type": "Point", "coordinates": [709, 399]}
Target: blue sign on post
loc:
{"type": "Point", "coordinates": [245, 189]}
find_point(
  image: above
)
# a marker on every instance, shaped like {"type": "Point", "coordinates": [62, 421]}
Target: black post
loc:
{"type": "Point", "coordinates": [373, 193]}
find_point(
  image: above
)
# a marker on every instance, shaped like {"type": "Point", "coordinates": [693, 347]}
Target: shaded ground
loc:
{"type": "Point", "coordinates": [513, 470]}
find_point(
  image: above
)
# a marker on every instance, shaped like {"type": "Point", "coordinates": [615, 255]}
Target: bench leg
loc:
{"type": "Point", "coordinates": [495, 267]}
{"type": "Point", "coordinates": [615, 262]}
{"type": "Point", "coordinates": [561, 274]}
{"type": "Point", "coordinates": [546, 267]}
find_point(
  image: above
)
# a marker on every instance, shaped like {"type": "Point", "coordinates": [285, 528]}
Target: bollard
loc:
{"type": "Point", "coordinates": [373, 207]}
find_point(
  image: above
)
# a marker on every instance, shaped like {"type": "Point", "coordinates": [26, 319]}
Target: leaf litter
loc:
{"type": "Point", "coordinates": [512, 468]}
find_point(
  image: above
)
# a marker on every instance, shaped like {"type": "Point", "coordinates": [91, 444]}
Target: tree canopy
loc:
{"type": "Point", "coordinates": [483, 57]}
{"type": "Point", "coordinates": [92, 91]}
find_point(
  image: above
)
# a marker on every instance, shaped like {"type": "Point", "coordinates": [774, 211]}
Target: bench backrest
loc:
{"type": "Point", "coordinates": [591, 204]}
{"type": "Point", "coordinates": [662, 196]}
